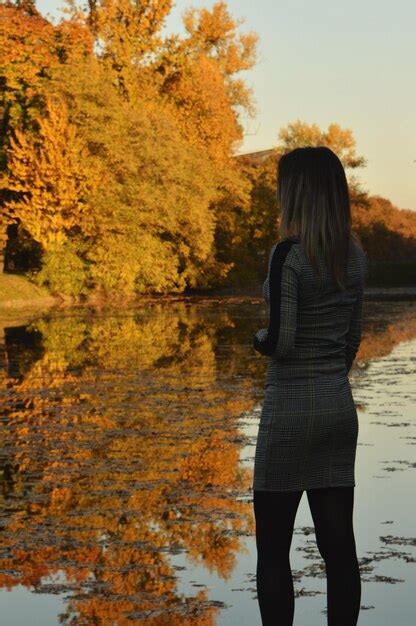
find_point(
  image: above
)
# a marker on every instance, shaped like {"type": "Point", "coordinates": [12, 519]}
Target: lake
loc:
{"type": "Point", "coordinates": [126, 457]}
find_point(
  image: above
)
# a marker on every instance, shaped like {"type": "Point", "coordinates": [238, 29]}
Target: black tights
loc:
{"type": "Point", "coordinates": [332, 513]}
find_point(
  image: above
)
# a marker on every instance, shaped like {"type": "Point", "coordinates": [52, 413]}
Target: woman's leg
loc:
{"type": "Point", "coordinates": [275, 513]}
{"type": "Point", "coordinates": [332, 513]}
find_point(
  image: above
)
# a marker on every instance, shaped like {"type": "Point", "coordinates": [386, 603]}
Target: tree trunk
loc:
{"type": "Point", "coordinates": [3, 241]}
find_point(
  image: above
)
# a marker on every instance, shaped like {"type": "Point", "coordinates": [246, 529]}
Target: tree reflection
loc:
{"type": "Point", "coordinates": [120, 455]}
{"type": "Point", "coordinates": [120, 449]}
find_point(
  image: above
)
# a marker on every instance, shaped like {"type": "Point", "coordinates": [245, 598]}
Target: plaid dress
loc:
{"type": "Point", "coordinates": [308, 429]}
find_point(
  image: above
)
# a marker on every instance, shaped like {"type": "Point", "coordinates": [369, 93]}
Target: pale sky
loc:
{"type": "Point", "coordinates": [326, 61]}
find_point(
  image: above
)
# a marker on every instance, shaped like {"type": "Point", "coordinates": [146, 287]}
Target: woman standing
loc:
{"type": "Point", "coordinates": [308, 428]}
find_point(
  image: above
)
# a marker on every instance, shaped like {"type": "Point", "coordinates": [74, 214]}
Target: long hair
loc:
{"type": "Point", "coordinates": [315, 207]}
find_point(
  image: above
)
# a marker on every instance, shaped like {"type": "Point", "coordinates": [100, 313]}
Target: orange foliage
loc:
{"type": "Point", "coordinates": [52, 175]}
{"type": "Point", "coordinates": [388, 233]}
{"type": "Point", "coordinates": [30, 46]}
{"type": "Point", "coordinates": [203, 107]}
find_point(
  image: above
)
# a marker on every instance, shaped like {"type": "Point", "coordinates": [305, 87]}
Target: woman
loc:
{"type": "Point", "coordinates": [308, 427]}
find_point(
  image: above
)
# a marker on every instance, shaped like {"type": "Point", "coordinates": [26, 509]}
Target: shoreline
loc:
{"type": "Point", "coordinates": [35, 301]}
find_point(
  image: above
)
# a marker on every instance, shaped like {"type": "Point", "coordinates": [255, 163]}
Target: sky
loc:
{"type": "Point", "coordinates": [325, 61]}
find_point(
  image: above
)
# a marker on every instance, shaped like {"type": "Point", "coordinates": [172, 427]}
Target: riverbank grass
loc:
{"type": "Point", "coordinates": [19, 291]}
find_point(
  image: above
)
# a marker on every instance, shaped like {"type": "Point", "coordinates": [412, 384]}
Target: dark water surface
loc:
{"type": "Point", "coordinates": [126, 457]}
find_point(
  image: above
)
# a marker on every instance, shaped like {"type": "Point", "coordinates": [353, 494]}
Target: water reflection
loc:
{"type": "Point", "coordinates": [126, 462]}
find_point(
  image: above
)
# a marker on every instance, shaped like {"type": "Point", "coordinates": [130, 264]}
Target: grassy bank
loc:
{"type": "Point", "coordinates": [19, 292]}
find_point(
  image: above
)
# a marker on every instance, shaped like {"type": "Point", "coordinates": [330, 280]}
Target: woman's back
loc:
{"type": "Point", "coordinates": [319, 326]}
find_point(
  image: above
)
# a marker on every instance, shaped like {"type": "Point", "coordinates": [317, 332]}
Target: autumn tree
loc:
{"type": "Point", "coordinates": [126, 34]}
{"type": "Point", "coordinates": [215, 34]}
{"type": "Point", "coordinates": [154, 226]}
{"type": "Point", "coordinates": [30, 47]}
{"type": "Point", "coordinates": [159, 118]}
{"type": "Point", "coordinates": [52, 177]}
{"type": "Point", "coordinates": [196, 76]}
{"type": "Point", "coordinates": [298, 134]}
{"type": "Point", "coordinates": [200, 73]}
{"type": "Point", "coordinates": [387, 232]}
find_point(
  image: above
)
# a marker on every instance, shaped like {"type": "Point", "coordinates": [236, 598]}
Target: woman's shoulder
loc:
{"type": "Point", "coordinates": [283, 245]}
{"type": "Point", "coordinates": [285, 252]}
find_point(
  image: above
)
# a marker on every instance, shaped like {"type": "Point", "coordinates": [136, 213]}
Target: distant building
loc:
{"type": "Point", "coordinates": [257, 157]}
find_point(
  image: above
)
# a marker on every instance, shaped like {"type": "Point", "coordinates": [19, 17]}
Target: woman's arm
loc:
{"type": "Point", "coordinates": [353, 337]}
{"type": "Point", "coordinates": [282, 285]}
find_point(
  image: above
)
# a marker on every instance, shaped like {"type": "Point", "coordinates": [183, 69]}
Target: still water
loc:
{"type": "Point", "coordinates": [126, 451]}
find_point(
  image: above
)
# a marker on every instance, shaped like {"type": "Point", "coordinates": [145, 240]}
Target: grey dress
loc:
{"type": "Point", "coordinates": [308, 429]}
